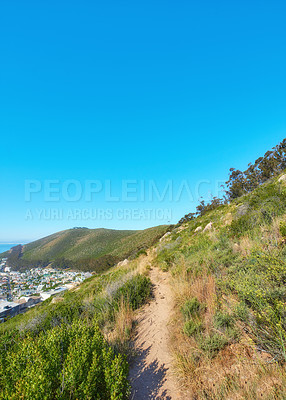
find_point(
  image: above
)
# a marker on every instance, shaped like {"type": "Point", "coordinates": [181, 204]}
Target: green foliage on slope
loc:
{"type": "Point", "coordinates": [243, 182]}
{"type": "Point", "coordinates": [270, 165]}
{"type": "Point", "coordinates": [57, 350]}
{"type": "Point", "coordinates": [85, 249]}
{"type": "Point", "coordinates": [236, 269]}
{"type": "Point", "coordinates": [66, 362]}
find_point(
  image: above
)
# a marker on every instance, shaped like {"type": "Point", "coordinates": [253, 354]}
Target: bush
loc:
{"type": "Point", "coordinates": [66, 362]}
{"type": "Point", "coordinates": [135, 291]}
{"type": "Point", "coordinates": [241, 225]}
{"type": "Point", "coordinates": [223, 320]}
{"type": "Point", "coordinates": [166, 256]}
{"type": "Point", "coordinates": [192, 327]}
{"type": "Point", "coordinates": [241, 312]}
{"type": "Point", "coordinates": [212, 343]}
{"type": "Point", "coordinates": [282, 228]}
{"type": "Point", "coordinates": [191, 307]}
{"type": "Point", "coordinates": [140, 252]}
{"type": "Point", "coordinates": [232, 333]}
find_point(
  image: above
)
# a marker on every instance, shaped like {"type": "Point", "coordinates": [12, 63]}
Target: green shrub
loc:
{"type": "Point", "coordinates": [232, 333]}
{"type": "Point", "coordinates": [192, 327]}
{"type": "Point", "coordinates": [135, 291]}
{"type": "Point", "coordinates": [191, 307]}
{"type": "Point", "coordinates": [241, 225]}
{"type": "Point", "coordinates": [140, 252]}
{"type": "Point", "coordinates": [241, 312]}
{"type": "Point", "coordinates": [212, 343]}
{"type": "Point", "coordinates": [282, 228]}
{"type": "Point", "coordinates": [66, 362]}
{"type": "Point", "coordinates": [165, 258]}
{"type": "Point", "coordinates": [223, 320]}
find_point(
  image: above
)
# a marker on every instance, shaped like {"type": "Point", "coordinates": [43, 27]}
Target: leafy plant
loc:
{"type": "Point", "coordinates": [135, 291]}
{"type": "Point", "coordinates": [192, 327]}
{"type": "Point", "coordinates": [191, 307]}
{"type": "Point", "coordinates": [66, 362]}
{"type": "Point", "coordinates": [223, 320]}
{"type": "Point", "coordinates": [212, 343]}
{"type": "Point", "coordinates": [282, 228]}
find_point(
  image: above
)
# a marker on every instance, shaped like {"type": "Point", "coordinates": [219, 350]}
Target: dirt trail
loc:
{"type": "Point", "coordinates": [151, 374]}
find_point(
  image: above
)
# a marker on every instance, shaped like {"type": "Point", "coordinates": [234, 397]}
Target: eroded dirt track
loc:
{"type": "Point", "coordinates": [151, 374]}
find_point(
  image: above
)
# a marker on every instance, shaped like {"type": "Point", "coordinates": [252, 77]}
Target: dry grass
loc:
{"type": "Point", "coordinates": [238, 371]}
{"type": "Point", "coordinates": [213, 235]}
{"type": "Point", "coordinates": [270, 238]}
{"type": "Point", "coordinates": [144, 262]}
{"type": "Point", "coordinates": [227, 219]}
{"type": "Point", "coordinates": [203, 288]}
{"type": "Point", "coordinates": [244, 246]}
{"type": "Point", "coordinates": [271, 235]}
{"type": "Point", "coordinates": [125, 316]}
{"type": "Point", "coordinates": [121, 332]}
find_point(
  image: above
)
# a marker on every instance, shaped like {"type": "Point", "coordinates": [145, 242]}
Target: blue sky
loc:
{"type": "Point", "coordinates": [122, 90]}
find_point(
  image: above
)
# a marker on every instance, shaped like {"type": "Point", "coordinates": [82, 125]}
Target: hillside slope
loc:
{"type": "Point", "coordinates": [229, 275]}
{"type": "Point", "coordinates": [83, 248]}
{"type": "Point", "coordinates": [72, 347]}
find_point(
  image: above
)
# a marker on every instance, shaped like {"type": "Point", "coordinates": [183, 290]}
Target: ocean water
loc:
{"type": "Point", "coordinates": [6, 246]}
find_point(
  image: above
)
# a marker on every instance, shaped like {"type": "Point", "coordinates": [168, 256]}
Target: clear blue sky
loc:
{"type": "Point", "coordinates": [150, 90]}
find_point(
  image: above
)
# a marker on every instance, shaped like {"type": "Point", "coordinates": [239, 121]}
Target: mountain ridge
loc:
{"type": "Point", "coordinates": [84, 248]}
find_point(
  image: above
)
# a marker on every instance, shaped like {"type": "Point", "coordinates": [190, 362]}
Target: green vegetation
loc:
{"type": "Point", "coordinates": [85, 249]}
{"type": "Point", "coordinates": [230, 290]}
{"type": "Point", "coordinates": [212, 343]}
{"type": "Point", "coordinates": [270, 165]}
{"type": "Point", "coordinates": [191, 308]}
{"type": "Point", "coordinates": [223, 320]}
{"type": "Point", "coordinates": [192, 327]}
{"type": "Point", "coordinates": [57, 350]}
{"type": "Point", "coordinates": [135, 292]}
{"type": "Point", "coordinates": [66, 362]}
{"type": "Point", "coordinates": [240, 183]}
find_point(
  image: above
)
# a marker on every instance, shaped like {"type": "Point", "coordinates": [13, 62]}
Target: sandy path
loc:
{"type": "Point", "coordinates": [150, 372]}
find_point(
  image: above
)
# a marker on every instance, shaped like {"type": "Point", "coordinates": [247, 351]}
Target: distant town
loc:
{"type": "Point", "coordinates": [20, 291]}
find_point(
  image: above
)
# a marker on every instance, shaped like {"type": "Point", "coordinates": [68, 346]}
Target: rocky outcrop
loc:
{"type": "Point", "coordinates": [165, 236]}
{"type": "Point", "coordinates": [242, 209]}
{"type": "Point", "coordinates": [208, 227]}
{"type": "Point", "coordinates": [282, 179]}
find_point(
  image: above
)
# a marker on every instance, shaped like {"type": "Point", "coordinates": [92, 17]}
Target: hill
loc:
{"type": "Point", "coordinates": [83, 248]}
{"type": "Point", "coordinates": [228, 271]}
